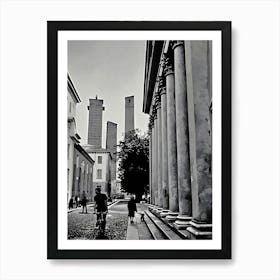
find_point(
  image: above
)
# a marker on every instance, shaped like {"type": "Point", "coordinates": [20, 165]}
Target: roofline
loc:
{"type": "Point", "coordinates": [95, 150]}
{"type": "Point", "coordinates": [112, 123]}
{"type": "Point", "coordinates": [96, 99]}
{"type": "Point", "coordinates": [72, 89]}
{"type": "Point", "coordinates": [99, 152]}
{"type": "Point", "coordinates": [84, 153]}
{"type": "Point", "coordinates": [153, 55]}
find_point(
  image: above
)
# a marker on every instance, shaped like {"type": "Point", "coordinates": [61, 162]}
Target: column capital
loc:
{"type": "Point", "coordinates": [154, 111]}
{"type": "Point", "coordinates": [157, 100]}
{"type": "Point", "coordinates": [176, 43]}
{"type": "Point", "coordinates": [151, 121]}
{"type": "Point", "coordinates": [168, 67]}
{"type": "Point", "coordinates": [161, 85]}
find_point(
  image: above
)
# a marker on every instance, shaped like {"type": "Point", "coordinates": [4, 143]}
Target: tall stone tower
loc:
{"type": "Point", "coordinates": [95, 122]}
{"type": "Point", "coordinates": [129, 113]}
{"type": "Point", "coordinates": [111, 145]}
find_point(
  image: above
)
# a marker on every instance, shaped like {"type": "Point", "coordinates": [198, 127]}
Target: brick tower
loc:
{"type": "Point", "coordinates": [129, 113]}
{"type": "Point", "coordinates": [111, 145]}
{"type": "Point", "coordinates": [95, 122]}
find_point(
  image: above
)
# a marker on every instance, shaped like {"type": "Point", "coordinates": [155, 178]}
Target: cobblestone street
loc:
{"type": "Point", "coordinates": [82, 226]}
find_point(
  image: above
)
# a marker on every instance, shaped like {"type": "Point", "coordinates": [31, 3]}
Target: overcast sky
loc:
{"type": "Point", "coordinates": [111, 70]}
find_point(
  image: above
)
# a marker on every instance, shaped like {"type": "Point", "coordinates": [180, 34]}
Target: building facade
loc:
{"type": "Point", "coordinates": [83, 174]}
{"type": "Point", "coordinates": [101, 176]}
{"type": "Point", "coordinates": [178, 98]}
{"type": "Point", "coordinates": [117, 190]}
{"type": "Point", "coordinates": [73, 138]}
{"type": "Point", "coordinates": [80, 164]}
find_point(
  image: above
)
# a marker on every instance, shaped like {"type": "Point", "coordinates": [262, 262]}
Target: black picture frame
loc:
{"type": "Point", "coordinates": [52, 88]}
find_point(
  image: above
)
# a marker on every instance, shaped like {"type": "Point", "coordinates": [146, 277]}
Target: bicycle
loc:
{"type": "Point", "coordinates": [101, 222]}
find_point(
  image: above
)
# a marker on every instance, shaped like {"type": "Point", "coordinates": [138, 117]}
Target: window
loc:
{"type": "Point", "coordinates": [99, 159]}
{"type": "Point", "coordinates": [99, 173]}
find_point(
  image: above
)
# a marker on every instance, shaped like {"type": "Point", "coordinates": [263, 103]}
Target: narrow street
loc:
{"type": "Point", "coordinates": [82, 225]}
{"type": "Point", "coordinates": [151, 227]}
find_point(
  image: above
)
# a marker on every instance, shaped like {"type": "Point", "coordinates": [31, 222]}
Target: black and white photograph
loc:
{"type": "Point", "coordinates": [139, 140]}
{"type": "Point", "coordinates": [152, 180]}
{"type": "Point", "coordinates": [143, 117]}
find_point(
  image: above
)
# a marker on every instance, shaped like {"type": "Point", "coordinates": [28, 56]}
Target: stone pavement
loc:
{"type": "Point", "coordinates": [132, 231]}
{"type": "Point", "coordinates": [82, 225]}
{"type": "Point", "coordinates": [138, 230]}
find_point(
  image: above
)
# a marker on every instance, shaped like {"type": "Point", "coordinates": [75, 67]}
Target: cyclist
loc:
{"type": "Point", "coordinates": [100, 206]}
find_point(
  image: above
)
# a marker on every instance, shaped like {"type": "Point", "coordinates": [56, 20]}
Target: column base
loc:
{"type": "Point", "coordinates": [151, 207]}
{"type": "Point", "coordinates": [158, 210]}
{"type": "Point", "coordinates": [182, 222]}
{"type": "Point", "coordinates": [171, 216]}
{"type": "Point", "coordinates": [164, 213]}
{"type": "Point", "coordinates": [198, 230]}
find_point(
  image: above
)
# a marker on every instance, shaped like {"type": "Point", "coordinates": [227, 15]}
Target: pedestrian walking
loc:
{"type": "Point", "coordinates": [84, 202]}
{"type": "Point", "coordinates": [70, 206]}
{"type": "Point", "coordinates": [131, 205]}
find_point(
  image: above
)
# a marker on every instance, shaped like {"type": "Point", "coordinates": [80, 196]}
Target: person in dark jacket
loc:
{"type": "Point", "coordinates": [84, 202]}
{"type": "Point", "coordinates": [131, 205]}
{"type": "Point", "coordinates": [70, 203]}
{"type": "Point", "coordinates": [100, 206]}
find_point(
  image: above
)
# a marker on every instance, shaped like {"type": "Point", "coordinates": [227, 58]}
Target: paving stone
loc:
{"type": "Point", "coordinates": [82, 226]}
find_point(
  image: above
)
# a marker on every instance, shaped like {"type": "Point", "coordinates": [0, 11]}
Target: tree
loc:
{"type": "Point", "coordinates": [134, 163]}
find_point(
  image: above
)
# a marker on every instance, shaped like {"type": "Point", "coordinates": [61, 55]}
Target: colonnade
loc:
{"type": "Point", "coordinates": [180, 137]}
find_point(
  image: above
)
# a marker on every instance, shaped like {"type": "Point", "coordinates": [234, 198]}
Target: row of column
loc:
{"type": "Point", "coordinates": [173, 190]}
{"type": "Point", "coordinates": [82, 178]}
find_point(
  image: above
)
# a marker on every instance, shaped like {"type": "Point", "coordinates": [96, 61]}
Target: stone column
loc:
{"type": "Point", "coordinates": [164, 166]}
{"type": "Point", "coordinates": [155, 157]}
{"type": "Point", "coordinates": [153, 164]}
{"type": "Point", "coordinates": [151, 182]}
{"type": "Point", "coordinates": [159, 153]}
{"type": "Point", "coordinates": [86, 179]}
{"type": "Point", "coordinates": [171, 143]}
{"type": "Point", "coordinates": [82, 176]}
{"type": "Point", "coordinates": [150, 159]}
{"type": "Point", "coordinates": [75, 171]}
{"type": "Point", "coordinates": [184, 180]}
{"type": "Point", "coordinates": [198, 65]}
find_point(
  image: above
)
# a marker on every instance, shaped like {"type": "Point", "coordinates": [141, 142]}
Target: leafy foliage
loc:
{"type": "Point", "coordinates": [134, 163]}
